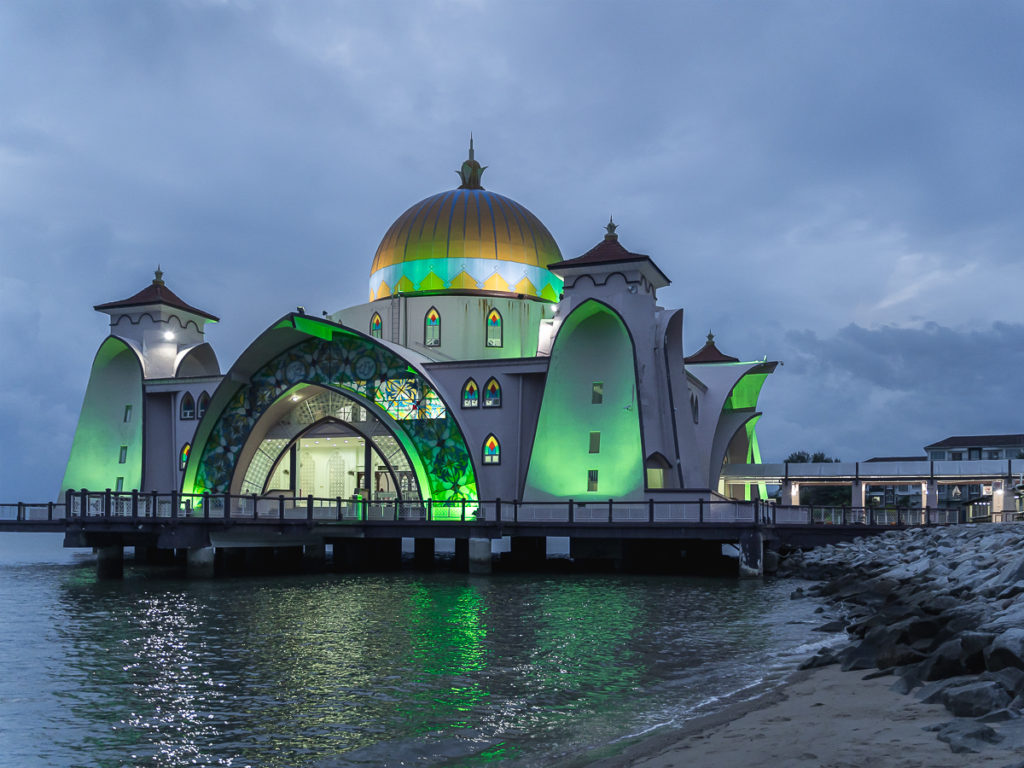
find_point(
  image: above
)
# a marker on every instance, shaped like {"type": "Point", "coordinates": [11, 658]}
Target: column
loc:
{"type": "Point", "coordinates": [479, 555]}
{"type": "Point", "coordinates": [110, 562]}
{"type": "Point", "coordinates": [751, 546]}
{"type": "Point", "coordinates": [858, 498]}
{"type": "Point", "coordinates": [199, 562]}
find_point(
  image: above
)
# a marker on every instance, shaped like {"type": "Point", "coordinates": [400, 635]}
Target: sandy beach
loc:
{"type": "Point", "coordinates": [822, 717]}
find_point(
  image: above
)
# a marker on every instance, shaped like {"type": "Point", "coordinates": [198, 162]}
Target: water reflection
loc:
{"type": "Point", "coordinates": [374, 670]}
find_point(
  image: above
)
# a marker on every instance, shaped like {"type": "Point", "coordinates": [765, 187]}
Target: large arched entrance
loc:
{"type": "Point", "coordinates": [305, 381]}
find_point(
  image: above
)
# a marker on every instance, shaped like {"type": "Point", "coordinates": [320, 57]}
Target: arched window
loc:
{"type": "Point", "coordinates": [694, 408]}
{"type": "Point", "coordinates": [432, 328]}
{"type": "Point", "coordinates": [492, 450]}
{"type": "Point", "coordinates": [186, 451]}
{"type": "Point", "coordinates": [492, 394]}
{"type": "Point", "coordinates": [470, 395]}
{"type": "Point", "coordinates": [202, 404]}
{"type": "Point", "coordinates": [375, 326]}
{"type": "Point", "coordinates": [494, 334]}
{"type": "Point", "coordinates": [188, 406]}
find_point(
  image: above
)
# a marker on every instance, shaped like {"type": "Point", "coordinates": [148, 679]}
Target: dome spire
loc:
{"type": "Point", "coordinates": [610, 228]}
{"type": "Point", "coordinates": [471, 170]}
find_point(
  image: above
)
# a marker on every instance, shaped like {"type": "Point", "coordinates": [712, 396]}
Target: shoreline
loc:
{"type": "Point", "coordinates": [817, 717]}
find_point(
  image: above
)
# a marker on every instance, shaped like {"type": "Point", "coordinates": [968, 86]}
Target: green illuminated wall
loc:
{"type": "Point", "coordinates": [592, 346]}
{"type": "Point", "coordinates": [114, 382]}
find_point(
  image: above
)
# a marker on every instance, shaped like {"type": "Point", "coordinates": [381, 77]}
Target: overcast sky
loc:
{"type": "Point", "coordinates": [834, 185]}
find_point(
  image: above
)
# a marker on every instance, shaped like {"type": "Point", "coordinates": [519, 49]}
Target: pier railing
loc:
{"type": "Point", "coordinates": [118, 505]}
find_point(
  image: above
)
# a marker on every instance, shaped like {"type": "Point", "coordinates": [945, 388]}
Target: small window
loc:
{"type": "Point", "coordinates": [595, 442]}
{"type": "Point", "coordinates": [974, 454]}
{"type": "Point", "coordinates": [937, 455]}
{"type": "Point", "coordinates": [494, 331]}
{"type": "Point", "coordinates": [597, 392]}
{"type": "Point", "coordinates": [123, 457]}
{"type": "Point", "coordinates": [470, 395]}
{"type": "Point", "coordinates": [655, 477]}
{"type": "Point", "coordinates": [188, 406]}
{"type": "Point", "coordinates": [957, 455]}
{"type": "Point", "coordinates": [492, 394]}
{"type": "Point", "coordinates": [186, 451]}
{"type": "Point", "coordinates": [492, 450]}
{"type": "Point", "coordinates": [591, 480]}
{"type": "Point", "coordinates": [375, 326]}
{"type": "Point", "coordinates": [694, 408]}
{"type": "Point", "coordinates": [432, 328]}
{"type": "Point", "coordinates": [993, 454]}
{"type": "Point", "coordinates": [127, 414]}
{"type": "Point", "coordinates": [119, 484]}
{"type": "Point", "coordinates": [202, 404]}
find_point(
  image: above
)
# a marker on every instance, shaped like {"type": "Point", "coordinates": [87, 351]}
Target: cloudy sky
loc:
{"type": "Point", "coordinates": [834, 185]}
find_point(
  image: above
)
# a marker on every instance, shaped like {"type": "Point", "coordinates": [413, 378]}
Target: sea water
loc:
{"type": "Point", "coordinates": [407, 668]}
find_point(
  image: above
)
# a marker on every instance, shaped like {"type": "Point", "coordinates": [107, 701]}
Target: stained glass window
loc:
{"type": "Point", "coordinates": [375, 326]}
{"type": "Point", "coordinates": [470, 395]}
{"type": "Point", "coordinates": [492, 394]}
{"type": "Point", "coordinates": [186, 449]}
{"type": "Point", "coordinates": [432, 328]}
{"type": "Point", "coordinates": [202, 404]}
{"type": "Point", "coordinates": [404, 399]}
{"type": "Point", "coordinates": [492, 450]}
{"type": "Point", "coordinates": [494, 335]}
{"type": "Point", "coordinates": [188, 406]}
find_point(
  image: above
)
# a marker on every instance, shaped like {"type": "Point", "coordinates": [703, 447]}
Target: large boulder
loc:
{"type": "Point", "coordinates": [975, 699]}
{"type": "Point", "coordinates": [1007, 650]}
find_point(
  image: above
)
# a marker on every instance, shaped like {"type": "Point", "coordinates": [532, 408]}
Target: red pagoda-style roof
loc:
{"type": "Point", "coordinates": [709, 353]}
{"type": "Point", "coordinates": [155, 293]}
{"type": "Point", "coordinates": [608, 251]}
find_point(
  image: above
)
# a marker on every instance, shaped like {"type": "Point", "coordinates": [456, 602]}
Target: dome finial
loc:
{"type": "Point", "coordinates": [610, 228]}
{"type": "Point", "coordinates": [711, 337]}
{"type": "Point", "coordinates": [471, 170]}
{"type": "Point", "coordinates": [158, 278]}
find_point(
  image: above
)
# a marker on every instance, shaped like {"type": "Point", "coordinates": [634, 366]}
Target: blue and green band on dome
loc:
{"type": "Point", "coordinates": [467, 239]}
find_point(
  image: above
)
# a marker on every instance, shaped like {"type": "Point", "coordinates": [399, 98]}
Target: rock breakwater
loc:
{"type": "Point", "coordinates": [942, 609]}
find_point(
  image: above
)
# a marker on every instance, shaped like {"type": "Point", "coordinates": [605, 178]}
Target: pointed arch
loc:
{"type": "Point", "coordinates": [470, 394]}
{"type": "Point", "coordinates": [491, 450]}
{"type": "Point", "coordinates": [492, 393]}
{"type": "Point", "coordinates": [187, 407]}
{"type": "Point", "coordinates": [494, 330]}
{"type": "Point", "coordinates": [376, 326]}
{"type": "Point", "coordinates": [432, 328]}
{"type": "Point", "coordinates": [202, 404]}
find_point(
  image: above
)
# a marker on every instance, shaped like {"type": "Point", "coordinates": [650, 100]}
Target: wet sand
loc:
{"type": "Point", "coordinates": [821, 717]}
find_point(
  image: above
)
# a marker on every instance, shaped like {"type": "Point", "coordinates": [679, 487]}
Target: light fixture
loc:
{"type": "Point", "coordinates": [169, 335]}
{"type": "Point", "coordinates": [296, 398]}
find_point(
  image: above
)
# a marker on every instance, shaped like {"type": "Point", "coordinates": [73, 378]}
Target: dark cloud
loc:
{"type": "Point", "coordinates": [790, 165]}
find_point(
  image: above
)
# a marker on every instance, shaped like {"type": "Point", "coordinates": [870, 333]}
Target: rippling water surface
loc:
{"type": "Point", "coordinates": [364, 670]}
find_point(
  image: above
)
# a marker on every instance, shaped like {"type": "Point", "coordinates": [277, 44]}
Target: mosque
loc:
{"type": "Point", "coordinates": [483, 366]}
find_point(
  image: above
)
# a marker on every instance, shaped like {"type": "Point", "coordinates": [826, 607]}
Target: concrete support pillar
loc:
{"type": "Point", "coordinates": [349, 554]}
{"type": "Point", "coordinates": [461, 560]}
{"type": "Point", "coordinates": [858, 498]}
{"type": "Point", "coordinates": [751, 546]}
{"type": "Point", "coordinates": [110, 562]}
{"type": "Point", "coordinates": [789, 494]}
{"type": "Point", "coordinates": [199, 562]}
{"type": "Point", "coordinates": [314, 556]}
{"type": "Point", "coordinates": [479, 555]}
{"type": "Point", "coordinates": [384, 554]}
{"type": "Point", "coordinates": [423, 553]}
{"type": "Point", "coordinates": [527, 551]}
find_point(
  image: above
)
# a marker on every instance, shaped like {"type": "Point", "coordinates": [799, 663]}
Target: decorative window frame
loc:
{"type": "Point", "coordinates": [484, 396]}
{"type": "Point", "coordinates": [187, 407]}
{"type": "Point", "coordinates": [202, 404]}
{"type": "Point", "coordinates": [476, 403]}
{"type": "Point", "coordinates": [491, 459]}
{"type": "Point", "coordinates": [427, 340]}
{"type": "Point", "coordinates": [500, 341]}
{"type": "Point", "coordinates": [376, 326]}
